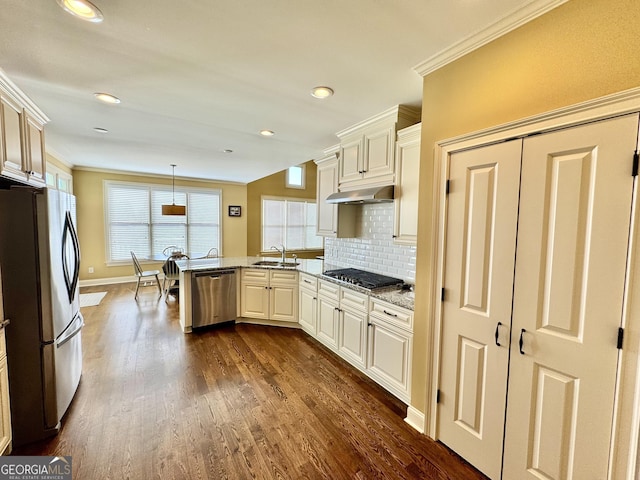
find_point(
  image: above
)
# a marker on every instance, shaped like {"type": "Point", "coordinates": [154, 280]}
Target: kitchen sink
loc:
{"type": "Point", "coordinates": [275, 263]}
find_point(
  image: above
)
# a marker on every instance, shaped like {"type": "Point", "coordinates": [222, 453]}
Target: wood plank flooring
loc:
{"type": "Point", "coordinates": [236, 402]}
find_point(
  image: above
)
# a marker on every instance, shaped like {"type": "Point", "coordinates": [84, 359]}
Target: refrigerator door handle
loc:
{"type": "Point", "coordinates": [71, 334]}
{"type": "Point", "coordinates": [70, 278]}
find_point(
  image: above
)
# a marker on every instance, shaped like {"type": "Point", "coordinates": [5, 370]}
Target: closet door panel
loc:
{"type": "Point", "coordinates": [482, 208]}
{"type": "Point", "coordinates": [568, 294]}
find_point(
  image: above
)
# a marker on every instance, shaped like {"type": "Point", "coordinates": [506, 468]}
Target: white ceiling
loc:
{"type": "Point", "coordinates": [198, 77]}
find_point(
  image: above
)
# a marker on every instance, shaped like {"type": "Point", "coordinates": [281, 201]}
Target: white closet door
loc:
{"type": "Point", "coordinates": [569, 283]}
{"type": "Point", "coordinates": [482, 212]}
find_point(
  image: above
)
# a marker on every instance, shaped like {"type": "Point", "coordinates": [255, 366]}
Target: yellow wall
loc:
{"type": "Point", "coordinates": [581, 50]}
{"type": "Point", "coordinates": [58, 163]}
{"type": "Point", "coordinates": [88, 189]}
{"type": "Point", "coordinates": [274, 185]}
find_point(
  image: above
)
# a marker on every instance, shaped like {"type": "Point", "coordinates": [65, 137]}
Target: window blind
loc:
{"type": "Point", "coordinates": [135, 222]}
{"type": "Point", "coordinates": [289, 222]}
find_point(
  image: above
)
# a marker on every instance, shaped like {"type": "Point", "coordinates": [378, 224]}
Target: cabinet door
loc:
{"type": "Point", "coordinates": [378, 159]}
{"type": "Point", "coordinates": [573, 232]}
{"type": "Point", "coordinates": [351, 160]}
{"type": "Point", "coordinates": [327, 183]}
{"type": "Point", "coordinates": [254, 301]}
{"type": "Point", "coordinates": [405, 229]}
{"type": "Point", "coordinates": [12, 144]}
{"type": "Point", "coordinates": [328, 322]}
{"type": "Point", "coordinates": [34, 143]}
{"type": "Point", "coordinates": [478, 281]}
{"type": "Point", "coordinates": [307, 312]}
{"type": "Point", "coordinates": [283, 302]}
{"type": "Point", "coordinates": [352, 336]}
{"type": "Point", "coordinates": [390, 358]}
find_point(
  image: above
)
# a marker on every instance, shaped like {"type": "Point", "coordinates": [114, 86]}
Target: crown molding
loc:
{"type": "Point", "coordinates": [394, 114]}
{"type": "Point", "coordinates": [20, 97]}
{"type": "Point", "coordinates": [503, 26]}
{"type": "Point", "coordinates": [154, 175]}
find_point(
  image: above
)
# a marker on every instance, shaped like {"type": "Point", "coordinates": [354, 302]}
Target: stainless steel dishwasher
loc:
{"type": "Point", "coordinates": [213, 297]}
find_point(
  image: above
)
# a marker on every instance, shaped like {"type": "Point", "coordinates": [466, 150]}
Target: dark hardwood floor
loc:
{"type": "Point", "coordinates": [235, 402]}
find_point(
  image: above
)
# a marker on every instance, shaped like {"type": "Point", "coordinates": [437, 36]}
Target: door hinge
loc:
{"type": "Point", "coordinates": [438, 396]}
{"type": "Point", "coordinates": [447, 187]}
{"type": "Point", "coordinates": [636, 160]}
{"type": "Point", "coordinates": [620, 338]}
{"type": "Point", "coordinates": [442, 295]}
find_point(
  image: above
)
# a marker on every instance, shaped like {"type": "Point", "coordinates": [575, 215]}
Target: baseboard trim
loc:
{"type": "Point", "coordinates": [107, 281]}
{"type": "Point", "coordinates": [415, 418]}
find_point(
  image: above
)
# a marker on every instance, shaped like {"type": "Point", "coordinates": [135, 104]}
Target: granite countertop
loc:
{"type": "Point", "coordinates": [395, 296]}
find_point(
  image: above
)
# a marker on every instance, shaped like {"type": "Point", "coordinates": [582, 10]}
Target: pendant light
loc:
{"type": "Point", "coordinates": [174, 209]}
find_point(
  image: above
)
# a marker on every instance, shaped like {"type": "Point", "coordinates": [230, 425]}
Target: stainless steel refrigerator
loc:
{"type": "Point", "coordinates": [40, 261]}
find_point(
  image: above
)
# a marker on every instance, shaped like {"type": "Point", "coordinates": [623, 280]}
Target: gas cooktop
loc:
{"type": "Point", "coordinates": [362, 278]}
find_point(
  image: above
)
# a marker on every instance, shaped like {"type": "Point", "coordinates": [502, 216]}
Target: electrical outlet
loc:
{"type": "Point", "coordinates": [90, 269]}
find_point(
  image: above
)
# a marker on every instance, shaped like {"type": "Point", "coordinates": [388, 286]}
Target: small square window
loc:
{"type": "Point", "coordinates": [295, 177]}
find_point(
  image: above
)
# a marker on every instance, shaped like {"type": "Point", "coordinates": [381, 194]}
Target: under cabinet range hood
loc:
{"type": "Point", "coordinates": [363, 195]}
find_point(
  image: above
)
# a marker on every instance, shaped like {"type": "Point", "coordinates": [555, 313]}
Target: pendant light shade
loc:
{"type": "Point", "coordinates": [174, 209]}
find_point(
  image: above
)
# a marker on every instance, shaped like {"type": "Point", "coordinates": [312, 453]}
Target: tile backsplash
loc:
{"type": "Point", "coordinates": [373, 248]}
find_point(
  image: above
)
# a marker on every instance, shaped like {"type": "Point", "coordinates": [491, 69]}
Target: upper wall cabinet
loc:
{"type": "Point", "coordinates": [405, 230]}
{"type": "Point", "coordinates": [332, 220]}
{"type": "Point", "coordinates": [22, 155]}
{"type": "Point", "coordinates": [367, 149]}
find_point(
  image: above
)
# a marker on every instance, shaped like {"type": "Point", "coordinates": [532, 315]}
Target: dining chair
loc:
{"type": "Point", "coordinates": [171, 276]}
{"type": "Point", "coordinates": [144, 274]}
{"type": "Point", "coordinates": [171, 250]}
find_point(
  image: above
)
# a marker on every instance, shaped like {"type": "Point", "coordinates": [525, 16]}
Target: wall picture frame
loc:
{"type": "Point", "coordinates": [235, 210]}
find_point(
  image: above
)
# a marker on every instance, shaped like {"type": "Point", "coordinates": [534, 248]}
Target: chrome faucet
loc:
{"type": "Point", "coordinates": [283, 252]}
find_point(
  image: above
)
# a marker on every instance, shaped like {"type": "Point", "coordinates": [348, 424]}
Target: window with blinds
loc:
{"type": "Point", "coordinates": [134, 220]}
{"type": "Point", "coordinates": [290, 222]}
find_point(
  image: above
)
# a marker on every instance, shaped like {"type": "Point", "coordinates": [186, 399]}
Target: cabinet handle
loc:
{"type": "Point", "coordinates": [521, 341]}
{"type": "Point", "coordinates": [4, 323]}
{"type": "Point", "coordinates": [390, 314]}
{"type": "Point", "coordinates": [306, 281]}
{"type": "Point", "coordinates": [496, 335]}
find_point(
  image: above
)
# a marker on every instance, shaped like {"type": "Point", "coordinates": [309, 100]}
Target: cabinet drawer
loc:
{"type": "Point", "coordinates": [259, 275]}
{"type": "Point", "coordinates": [308, 282]}
{"type": "Point", "coordinates": [283, 276]}
{"type": "Point", "coordinates": [391, 314]}
{"type": "Point", "coordinates": [328, 289]}
{"type": "Point", "coordinates": [353, 299]}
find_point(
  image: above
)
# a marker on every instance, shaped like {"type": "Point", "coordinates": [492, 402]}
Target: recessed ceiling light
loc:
{"type": "Point", "coordinates": [322, 92]}
{"type": "Point", "coordinates": [101, 130]}
{"type": "Point", "coordinates": [227, 150]}
{"type": "Point", "coordinates": [267, 133]}
{"type": "Point", "coordinates": [83, 9]}
{"type": "Point", "coordinates": [106, 98]}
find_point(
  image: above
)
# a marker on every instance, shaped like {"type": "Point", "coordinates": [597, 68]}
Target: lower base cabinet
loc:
{"type": "Point", "coordinates": [308, 303]}
{"type": "Point", "coordinates": [372, 335]}
{"type": "Point", "coordinates": [269, 294]}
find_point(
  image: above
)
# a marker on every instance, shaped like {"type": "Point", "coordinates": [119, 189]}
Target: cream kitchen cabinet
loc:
{"type": "Point", "coordinates": [342, 321]}
{"type": "Point", "coordinates": [367, 150]}
{"type": "Point", "coordinates": [353, 314]}
{"type": "Point", "coordinates": [22, 155]}
{"type": "Point", "coordinates": [332, 220]}
{"type": "Point", "coordinates": [328, 306]}
{"type": "Point", "coordinates": [390, 347]}
{"type": "Point", "coordinates": [405, 228]}
{"type": "Point", "coordinates": [269, 294]}
{"type": "Point", "coordinates": [308, 303]}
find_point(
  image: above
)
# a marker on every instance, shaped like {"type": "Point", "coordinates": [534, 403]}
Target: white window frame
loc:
{"type": "Point", "coordinates": [151, 187]}
{"type": "Point", "coordinates": [267, 248]}
{"type": "Point", "coordinates": [58, 179]}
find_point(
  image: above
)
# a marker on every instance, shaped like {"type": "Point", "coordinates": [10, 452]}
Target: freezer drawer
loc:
{"type": "Point", "coordinates": [213, 297]}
